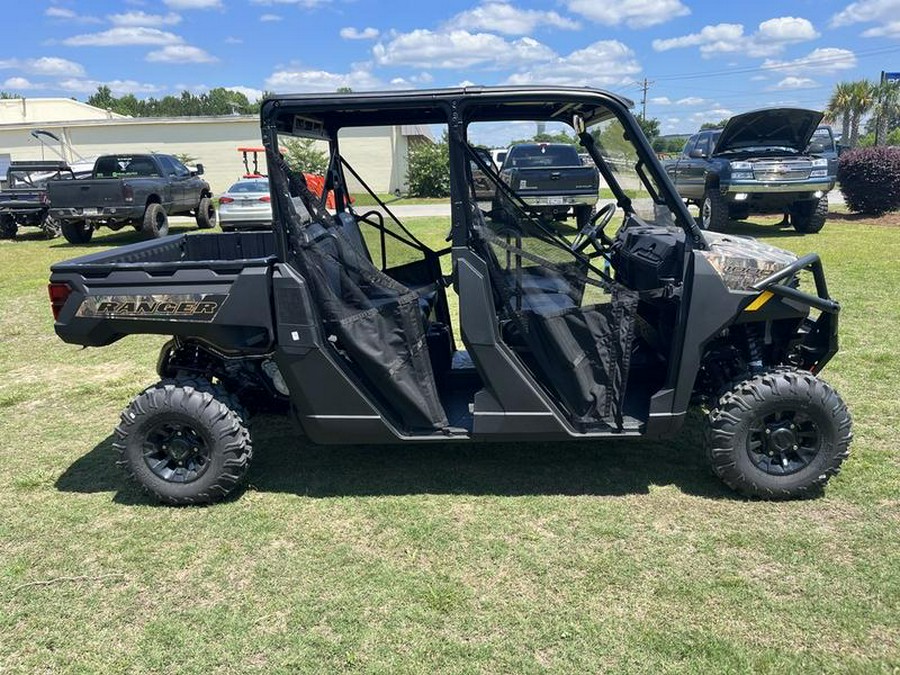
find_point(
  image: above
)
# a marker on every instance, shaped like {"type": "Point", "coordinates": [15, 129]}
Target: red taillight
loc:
{"type": "Point", "coordinates": [267, 198]}
{"type": "Point", "coordinates": [128, 192]}
{"type": "Point", "coordinates": [225, 200]}
{"type": "Point", "coordinates": [59, 293]}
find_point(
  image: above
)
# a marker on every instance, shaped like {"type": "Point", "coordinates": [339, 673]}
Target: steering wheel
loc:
{"type": "Point", "coordinates": [592, 233]}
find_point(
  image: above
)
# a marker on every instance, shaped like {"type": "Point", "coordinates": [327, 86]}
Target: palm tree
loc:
{"type": "Point", "coordinates": [886, 108]}
{"type": "Point", "coordinates": [863, 96]}
{"type": "Point", "coordinates": [839, 106]}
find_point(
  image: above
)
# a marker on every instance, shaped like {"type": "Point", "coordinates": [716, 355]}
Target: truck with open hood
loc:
{"type": "Point", "coordinates": [758, 163]}
{"type": "Point", "coordinates": [370, 333]}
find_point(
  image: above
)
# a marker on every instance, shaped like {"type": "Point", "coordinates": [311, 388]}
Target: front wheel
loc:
{"type": "Point", "coordinates": [50, 227]}
{"type": "Point", "coordinates": [206, 214]}
{"type": "Point", "coordinates": [8, 227]}
{"type": "Point", "coordinates": [713, 211]}
{"type": "Point", "coordinates": [184, 441]}
{"type": "Point", "coordinates": [809, 217]}
{"type": "Point", "coordinates": [156, 222]}
{"type": "Point", "coordinates": [778, 435]}
{"type": "Point", "coordinates": [78, 231]}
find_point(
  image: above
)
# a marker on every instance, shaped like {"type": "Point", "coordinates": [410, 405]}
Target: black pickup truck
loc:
{"type": "Point", "coordinates": [131, 189]}
{"type": "Point", "coordinates": [758, 163]}
{"type": "Point", "coordinates": [551, 180]}
{"type": "Point", "coordinates": [25, 201]}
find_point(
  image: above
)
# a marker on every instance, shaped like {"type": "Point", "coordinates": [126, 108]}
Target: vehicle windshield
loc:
{"type": "Point", "coordinates": [822, 141]}
{"type": "Point", "coordinates": [250, 186]}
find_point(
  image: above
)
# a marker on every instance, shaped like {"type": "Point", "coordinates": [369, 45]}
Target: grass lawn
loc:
{"type": "Point", "coordinates": [605, 557]}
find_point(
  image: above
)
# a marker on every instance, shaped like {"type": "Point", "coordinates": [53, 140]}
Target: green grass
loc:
{"type": "Point", "coordinates": [568, 558]}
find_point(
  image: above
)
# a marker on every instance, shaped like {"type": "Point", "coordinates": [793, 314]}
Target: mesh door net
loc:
{"type": "Point", "coordinates": [571, 326]}
{"type": "Point", "coordinates": [372, 319]}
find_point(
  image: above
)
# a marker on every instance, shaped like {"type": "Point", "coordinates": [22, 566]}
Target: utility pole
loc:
{"type": "Point", "coordinates": [645, 85]}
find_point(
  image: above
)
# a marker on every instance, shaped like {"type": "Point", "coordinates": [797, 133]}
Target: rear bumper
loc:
{"type": "Point", "coordinates": [117, 213]}
{"type": "Point", "coordinates": [560, 201]}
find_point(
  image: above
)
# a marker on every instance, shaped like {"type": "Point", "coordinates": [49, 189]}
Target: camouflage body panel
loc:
{"type": "Point", "coordinates": [165, 306]}
{"type": "Point", "coordinates": [743, 261]}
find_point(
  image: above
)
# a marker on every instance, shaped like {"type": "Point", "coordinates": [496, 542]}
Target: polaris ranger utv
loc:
{"type": "Point", "coordinates": [610, 331]}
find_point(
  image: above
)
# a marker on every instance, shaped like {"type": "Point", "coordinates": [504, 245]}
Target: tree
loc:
{"type": "Point", "coordinates": [886, 108]}
{"type": "Point", "coordinates": [302, 156]}
{"type": "Point", "coordinates": [650, 126]}
{"type": "Point", "coordinates": [714, 125]}
{"type": "Point", "coordinates": [840, 106]}
{"type": "Point", "coordinates": [429, 169]}
{"type": "Point", "coordinates": [7, 95]}
{"type": "Point", "coordinates": [862, 97]}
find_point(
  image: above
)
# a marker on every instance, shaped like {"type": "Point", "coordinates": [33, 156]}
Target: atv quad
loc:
{"type": "Point", "coordinates": [25, 201]}
{"type": "Point", "coordinates": [612, 331]}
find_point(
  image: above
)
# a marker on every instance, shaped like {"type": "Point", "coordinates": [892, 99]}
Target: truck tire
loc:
{"type": "Point", "coordinates": [77, 231]}
{"type": "Point", "coordinates": [50, 227]}
{"type": "Point", "coordinates": [184, 441]}
{"type": "Point", "coordinates": [778, 435]}
{"type": "Point", "coordinates": [583, 215]}
{"type": "Point", "coordinates": [713, 211]}
{"type": "Point", "coordinates": [206, 214]}
{"type": "Point", "coordinates": [8, 227]}
{"type": "Point", "coordinates": [156, 222]}
{"type": "Point", "coordinates": [808, 217]}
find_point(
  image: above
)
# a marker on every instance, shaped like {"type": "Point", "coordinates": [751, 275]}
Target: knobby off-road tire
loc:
{"type": "Point", "coordinates": [779, 435]}
{"type": "Point", "coordinates": [50, 227]}
{"type": "Point", "coordinates": [206, 214]}
{"type": "Point", "coordinates": [77, 232]}
{"type": "Point", "coordinates": [713, 210]}
{"type": "Point", "coordinates": [809, 217]}
{"type": "Point", "coordinates": [8, 227]}
{"type": "Point", "coordinates": [156, 222]}
{"type": "Point", "coordinates": [185, 441]}
{"type": "Point", "coordinates": [583, 215]}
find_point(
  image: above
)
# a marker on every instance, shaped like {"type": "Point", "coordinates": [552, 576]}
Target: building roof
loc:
{"type": "Point", "coordinates": [44, 110]}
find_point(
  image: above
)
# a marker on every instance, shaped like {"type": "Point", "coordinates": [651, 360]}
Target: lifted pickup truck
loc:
{"type": "Point", "coordinates": [25, 202]}
{"type": "Point", "coordinates": [758, 163]}
{"type": "Point", "coordinates": [583, 338]}
{"type": "Point", "coordinates": [551, 180]}
{"type": "Point", "coordinates": [137, 190]}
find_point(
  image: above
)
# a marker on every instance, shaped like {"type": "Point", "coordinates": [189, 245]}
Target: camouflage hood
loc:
{"type": "Point", "coordinates": [743, 261]}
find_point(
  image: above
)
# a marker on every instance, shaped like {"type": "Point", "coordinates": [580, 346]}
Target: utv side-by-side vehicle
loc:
{"type": "Point", "coordinates": [611, 331]}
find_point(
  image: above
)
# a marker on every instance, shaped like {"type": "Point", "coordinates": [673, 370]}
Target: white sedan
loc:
{"type": "Point", "coordinates": [245, 205]}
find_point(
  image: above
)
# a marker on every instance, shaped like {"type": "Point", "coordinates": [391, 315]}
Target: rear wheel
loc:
{"type": "Point", "coordinates": [778, 435]}
{"type": "Point", "coordinates": [184, 441]}
{"type": "Point", "coordinates": [8, 227]}
{"type": "Point", "coordinates": [156, 222]}
{"type": "Point", "coordinates": [206, 214]}
{"type": "Point", "coordinates": [50, 227]}
{"type": "Point", "coordinates": [77, 231]}
{"type": "Point", "coordinates": [583, 215]}
{"type": "Point", "coordinates": [713, 210]}
{"type": "Point", "coordinates": [808, 217]}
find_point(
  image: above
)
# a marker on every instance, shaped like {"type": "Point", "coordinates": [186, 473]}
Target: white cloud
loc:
{"type": "Point", "coordinates": [502, 17]}
{"type": "Point", "coordinates": [823, 61]}
{"type": "Point", "coordinates": [297, 80]}
{"type": "Point", "coordinates": [118, 87]}
{"type": "Point", "coordinates": [890, 29]}
{"type": "Point", "coordinates": [66, 14]}
{"type": "Point", "coordinates": [231, 40]}
{"type": "Point", "coordinates": [866, 10]}
{"type": "Point", "coordinates": [423, 48]}
{"type": "Point", "coordinates": [124, 35]}
{"type": "Point", "coordinates": [306, 4]}
{"type": "Point", "coordinates": [770, 38]}
{"type": "Point", "coordinates": [691, 101]}
{"type": "Point", "coordinates": [19, 83]}
{"type": "Point", "coordinates": [251, 93]}
{"type": "Point", "coordinates": [45, 65]}
{"type": "Point", "coordinates": [267, 18]}
{"type": "Point", "coordinates": [604, 63]}
{"type": "Point", "coordinates": [143, 19]}
{"type": "Point", "coordinates": [661, 100]}
{"type": "Point", "coordinates": [180, 54]}
{"type": "Point", "coordinates": [351, 33]}
{"type": "Point", "coordinates": [633, 13]}
{"type": "Point", "coordinates": [194, 4]}
{"type": "Point", "coordinates": [792, 82]}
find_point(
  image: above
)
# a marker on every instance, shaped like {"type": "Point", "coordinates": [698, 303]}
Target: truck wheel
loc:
{"type": "Point", "coordinates": [184, 441]}
{"type": "Point", "coordinates": [8, 227]}
{"type": "Point", "coordinates": [156, 222]}
{"type": "Point", "coordinates": [50, 227]}
{"type": "Point", "coordinates": [206, 214]}
{"type": "Point", "coordinates": [713, 211]}
{"type": "Point", "coordinates": [583, 215]}
{"type": "Point", "coordinates": [809, 217]}
{"type": "Point", "coordinates": [778, 435]}
{"type": "Point", "coordinates": [77, 231]}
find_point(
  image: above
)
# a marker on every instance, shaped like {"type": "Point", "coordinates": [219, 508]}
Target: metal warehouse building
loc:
{"type": "Point", "coordinates": [379, 154]}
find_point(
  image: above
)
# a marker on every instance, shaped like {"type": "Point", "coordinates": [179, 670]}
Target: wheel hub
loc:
{"type": "Point", "coordinates": [176, 452]}
{"type": "Point", "coordinates": [783, 442]}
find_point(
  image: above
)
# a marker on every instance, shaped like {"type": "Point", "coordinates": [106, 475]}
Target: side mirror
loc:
{"type": "Point", "coordinates": [697, 154]}
{"type": "Point", "coordinates": [199, 171]}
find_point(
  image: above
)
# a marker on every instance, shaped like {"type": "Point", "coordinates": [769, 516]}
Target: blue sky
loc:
{"type": "Point", "coordinates": [704, 59]}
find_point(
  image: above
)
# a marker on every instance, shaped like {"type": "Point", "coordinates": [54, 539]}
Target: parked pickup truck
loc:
{"type": "Point", "coordinates": [130, 189]}
{"type": "Point", "coordinates": [24, 201]}
{"type": "Point", "coordinates": [757, 163]}
{"type": "Point", "coordinates": [551, 179]}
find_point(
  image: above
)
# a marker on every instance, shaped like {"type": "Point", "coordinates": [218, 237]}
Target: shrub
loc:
{"type": "Point", "coordinates": [302, 156]}
{"type": "Point", "coordinates": [870, 179]}
{"type": "Point", "coordinates": [429, 169]}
